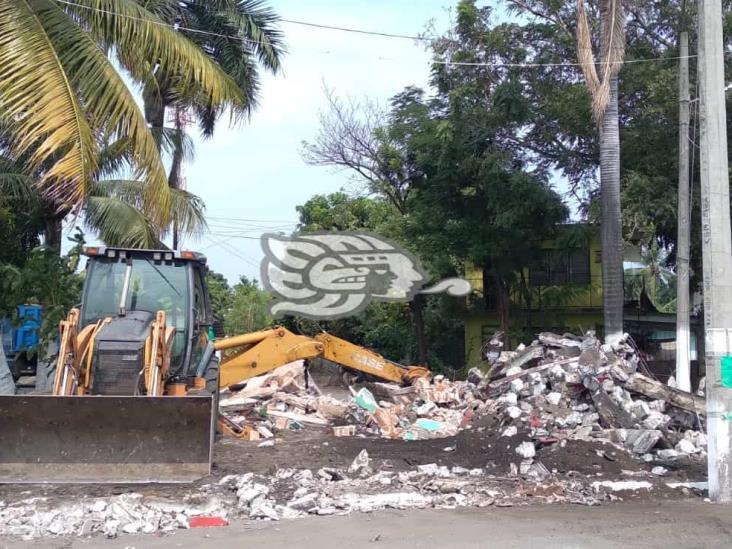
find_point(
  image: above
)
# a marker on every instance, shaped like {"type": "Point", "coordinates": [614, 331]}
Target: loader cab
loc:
{"type": "Point", "coordinates": [130, 286]}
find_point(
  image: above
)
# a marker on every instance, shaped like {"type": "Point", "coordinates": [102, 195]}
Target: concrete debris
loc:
{"type": "Point", "coordinates": [526, 450]}
{"type": "Point", "coordinates": [621, 485]}
{"type": "Point", "coordinates": [559, 386]}
{"type": "Point", "coordinates": [360, 464]}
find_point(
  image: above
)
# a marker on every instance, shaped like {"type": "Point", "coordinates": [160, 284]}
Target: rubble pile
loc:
{"type": "Point", "coordinates": [557, 388]}
{"type": "Point", "coordinates": [564, 419]}
{"type": "Point", "coordinates": [129, 513]}
{"type": "Point", "coordinates": [567, 387]}
{"type": "Point", "coordinates": [285, 494]}
{"type": "Point", "coordinates": [287, 398]}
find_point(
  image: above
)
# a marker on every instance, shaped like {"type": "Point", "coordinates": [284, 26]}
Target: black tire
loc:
{"type": "Point", "coordinates": [45, 375]}
{"type": "Point", "coordinates": [212, 385]}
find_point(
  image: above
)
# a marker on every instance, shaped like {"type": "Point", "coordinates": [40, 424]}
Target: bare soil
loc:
{"type": "Point", "coordinates": [314, 447]}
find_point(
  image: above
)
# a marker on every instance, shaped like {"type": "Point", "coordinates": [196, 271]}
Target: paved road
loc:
{"type": "Point", "coordinates": [650, 525]}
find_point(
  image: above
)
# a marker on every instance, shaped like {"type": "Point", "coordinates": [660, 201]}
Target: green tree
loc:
{"type": "Point", "coordinates": [385, 327]}
{"type": "Point", "coordinates": [247, 311]}
{"type": "Point", "coordinates": [61, 94]}
{"type": "Point", "coordinates": [47, 279]}
{"type": "Point", "coordinates": [220, 295]}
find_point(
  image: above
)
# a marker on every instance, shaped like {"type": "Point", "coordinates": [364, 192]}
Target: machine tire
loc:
{"type": "Point", "coordinates": [45, 375]}
{"type": "Point", "coordinates": [212, 381]}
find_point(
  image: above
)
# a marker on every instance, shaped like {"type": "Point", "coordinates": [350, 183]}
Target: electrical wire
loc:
{"type": "Point", "coordinates": [233, 251]}
{"type": "Point", "coordinates": [375, 33]}
{"type": "Point", "coordinates": [357, 31]}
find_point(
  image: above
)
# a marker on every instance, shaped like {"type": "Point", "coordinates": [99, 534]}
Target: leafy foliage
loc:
{"type": "Point", "coordinates": [247, 310]}
{"type": "Point", "coordinates": [46, 279]}
{"type": "Point", "coordinates": [61, 93]}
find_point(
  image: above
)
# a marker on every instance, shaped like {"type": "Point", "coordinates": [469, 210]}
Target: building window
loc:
{"type": "Point", "coordinates": [559, 267]}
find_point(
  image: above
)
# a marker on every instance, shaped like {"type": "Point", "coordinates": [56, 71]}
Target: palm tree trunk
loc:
{"type": "Point", "coordinates": [174, 183]}
{"type": "Point", "coordinates": [52, 231]}
{"type": "Point", "coordinates": [612, 237]}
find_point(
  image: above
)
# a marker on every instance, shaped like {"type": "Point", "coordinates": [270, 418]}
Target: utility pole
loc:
{"type": "Point", "coordinates": [716, 246]}
{"type": "Point", "coordinates": [683, 370]}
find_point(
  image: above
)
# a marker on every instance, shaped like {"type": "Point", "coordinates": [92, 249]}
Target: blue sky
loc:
{"type": "Point", "coordinates": [252, 177]}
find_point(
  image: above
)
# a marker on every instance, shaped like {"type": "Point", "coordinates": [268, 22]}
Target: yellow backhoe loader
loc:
{"type": "Point", "coordinates": [132, 395]}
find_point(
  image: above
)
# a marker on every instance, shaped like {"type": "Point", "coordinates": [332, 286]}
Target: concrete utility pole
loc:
{"type": "Point", "coordinates": [683, 371]}
{"type": "Point", "coordinates": [716, 246]}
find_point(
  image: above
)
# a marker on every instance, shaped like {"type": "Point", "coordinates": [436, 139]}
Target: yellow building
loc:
{"type": "Point", "coordinates": [562, 293]}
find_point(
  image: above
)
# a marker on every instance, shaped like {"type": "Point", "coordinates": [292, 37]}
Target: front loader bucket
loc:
{"type": "Point", "coordinates": [105, 439]}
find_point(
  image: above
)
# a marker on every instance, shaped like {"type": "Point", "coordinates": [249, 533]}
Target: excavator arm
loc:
{"type": "Point", "coordinates": [259, 352]}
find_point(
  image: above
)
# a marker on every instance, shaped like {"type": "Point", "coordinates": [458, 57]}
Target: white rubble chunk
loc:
{"type": "Point", "coordinates": [513, 412]}
{"type": "Point", "coordinates": [111, 528]}
{"type": "Point", "coordinates": [667, 453]}
{"type": "Point", "coordinates": [132, 527]}
{"type": "Point", "coordinates": [655, 420]}
{"type": "Point", "coordinates": [516, 385]}
{"type": "Point", "coordinates": [657, 405]}
{"type": "Point", "coordinates": [526, 450]}
{"type": "Point", "coordinates": [360, 464]}
{"type": "Point", "coordinates": [98, 506]}
{"type": "Point", "coordinates": [622, 485]}
{"type": "Point", "coordinates": [554, 398]}
{"type": "Point", "coordinates": [685, 446]}
{"type": "Point", "coordinates": [263, 508]}
{"type": "Point", "coordinates": [640, 409]}
{"type": "Point", "coordinates": [557, 373]}
{"type": "Point", "coordinates": [510, 399]}
{"type": "Point", "coordinates": [509, 431]}
{"type": "Point", "coordinates": [526, 407]}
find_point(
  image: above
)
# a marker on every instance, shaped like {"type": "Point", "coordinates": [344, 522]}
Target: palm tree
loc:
{"type": "Point", "coordinates": [603, 89]}
{"type": "Point", "coordinates": [114, 212]}
{"type": "Point", "coordinates": [114, 209]}
{"type": "Point", "coordinates": [237, 35]}
{"type": "Point", "coordinates": [652, 279]}
{"type": "Point", "coordinates": [61, 95]}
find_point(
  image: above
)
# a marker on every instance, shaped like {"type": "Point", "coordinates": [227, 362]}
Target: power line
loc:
{"type": "Point", "coordinates": [289, 221]}
{"type": "Point", "coordinates": [233, 251]}
{"type": "Point", "coordinates": [357, 31]}
{"type": "Point", "coordinates": [375, 33]}
{"type": "Point", "coordinates": [230, 236]}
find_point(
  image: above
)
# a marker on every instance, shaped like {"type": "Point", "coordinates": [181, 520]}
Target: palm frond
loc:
{"type": "Point", "coordinates": [40, 103]}
{"type": "Point", "coordinates": [257, 22]}
{"type": "Point", "coordinates": [612, 42]}
{"type": "Point", "coordinates": [118, 223]}
{"type": "Point", "coordinates": [612, 54]}
{"type": "Point", "coordinates": [173, 139]}
{"type": "Point", "coordinates": [17, 187]}
{"type": "Point", "coordinates": [188, 212]}
{"type": "Point", "coordinates": [252, 20]}
{"type": "Point", "coordinates": [140, 36]}
{"type": "Point", "coordinates": [187, 209]}
{"type": "Point", "coordinates": [584, 50]}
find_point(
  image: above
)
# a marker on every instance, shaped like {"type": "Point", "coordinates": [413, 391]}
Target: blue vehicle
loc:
{"type": "Point", "coordinates": [20, 339]}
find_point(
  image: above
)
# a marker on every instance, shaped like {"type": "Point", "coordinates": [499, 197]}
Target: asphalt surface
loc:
{"type": "Point", "coordinates": [692, 524]}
